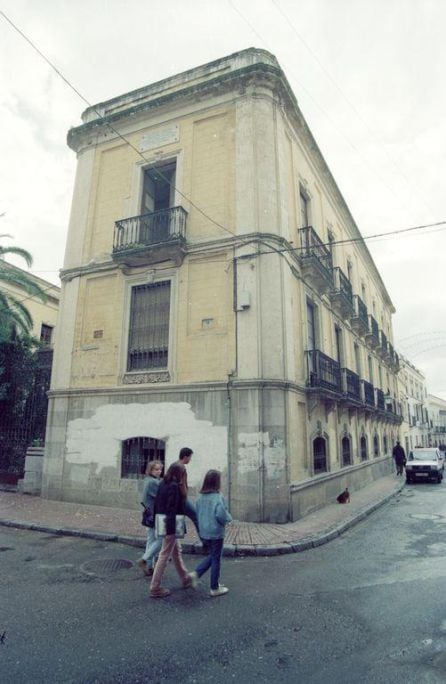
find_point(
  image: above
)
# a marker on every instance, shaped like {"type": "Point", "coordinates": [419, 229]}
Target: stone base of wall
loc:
{"type": "Point", "coordinates": [32, 480]}
{"type": "Point", "coordinates": [323, 489]}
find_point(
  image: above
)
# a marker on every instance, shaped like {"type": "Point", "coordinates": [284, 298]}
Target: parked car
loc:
{"type": "Point", "coordinates": [425, 464]}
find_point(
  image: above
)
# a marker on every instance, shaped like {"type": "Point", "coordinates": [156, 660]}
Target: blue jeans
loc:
{"type": "Point", "coordinates": [190, 512]}
{"type": "Point", "coordinates": [153, 547]}
{"type": "Point", "coordinates": [215, 548]}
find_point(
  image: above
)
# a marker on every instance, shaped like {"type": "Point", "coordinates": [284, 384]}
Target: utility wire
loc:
{"type": "Point", "coordinates": [344, 96]}
{"type": "Point", "coordinates": [152, 164]}
{"type": "Point", "coordinates": [107, 123]}
{"type": "Point", "coordinates": [321, 109]}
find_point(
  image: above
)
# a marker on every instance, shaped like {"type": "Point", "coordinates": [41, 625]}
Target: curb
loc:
{"type": "Point", "coordinates": [230, 550]}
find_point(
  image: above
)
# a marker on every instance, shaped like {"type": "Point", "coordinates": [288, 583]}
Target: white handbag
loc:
{"type": "Point", "coordinates": [160, 525]}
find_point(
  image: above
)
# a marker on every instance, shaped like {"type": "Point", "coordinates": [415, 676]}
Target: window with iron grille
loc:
{"type": "Point", "coordinates": [346, 452]}
{"type": "Point", "coordinates": [320, 455]}
{"type": "Point", "coordinates": [363, 448]}
{"type": "Point", "coordinates": [137, 452]}
{"type": "Point", "coordinates": [46, 333]}
{"type": "Point", "coordinates": [149, 326]}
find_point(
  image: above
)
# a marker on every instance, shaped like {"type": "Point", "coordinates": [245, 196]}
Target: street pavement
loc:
{"type": "Point", "coordinates": [242, 538]}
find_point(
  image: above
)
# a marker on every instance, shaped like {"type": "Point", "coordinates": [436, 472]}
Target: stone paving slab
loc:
{"type": "Point", "coordinates": [242, 538]}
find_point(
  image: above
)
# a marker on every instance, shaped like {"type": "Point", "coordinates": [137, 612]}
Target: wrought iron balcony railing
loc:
{"type": "Point", "coordinates": [373, 332]}
{"type": "Point", "coordinates": [342, 295]}
{"type": "Point", "coordinates": [157, 227]}
{"type": "Point", "coordinates": [350, 384]}
{"type": "Point", "coordinates": [368, 394]}
{"type": "Point", "coordinates": [383, 341]}
{"type": "Point", "coordinates": [323, 371]}
{"type": "Point", "coordinates": [313, 249]}
{"type": "Point", "coordinates": [380, 399]}
{"type": "Point", "coordinates": [360, 319]}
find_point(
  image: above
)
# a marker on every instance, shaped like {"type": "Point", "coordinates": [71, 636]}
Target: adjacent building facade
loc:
{"type": "Point", "coordinates": [217, 294]}
{"type": "Point", "coordinates": [415, 428]}
{"type": "Point", "coordinates": [437, 421]}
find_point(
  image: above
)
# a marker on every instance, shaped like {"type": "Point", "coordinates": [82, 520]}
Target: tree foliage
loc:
{"type": "Point", "coordinates": [15, 319]}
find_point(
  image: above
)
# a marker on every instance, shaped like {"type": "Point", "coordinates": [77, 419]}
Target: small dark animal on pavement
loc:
{"type": "Point", "coordinates": [344, 497]}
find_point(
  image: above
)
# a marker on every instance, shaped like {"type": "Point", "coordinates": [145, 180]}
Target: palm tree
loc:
{"type": "Point", "coordinates": [15, 318]}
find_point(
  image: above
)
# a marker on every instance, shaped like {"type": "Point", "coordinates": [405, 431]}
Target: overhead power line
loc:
{"type": "Point", "coordinates": [186, 197]}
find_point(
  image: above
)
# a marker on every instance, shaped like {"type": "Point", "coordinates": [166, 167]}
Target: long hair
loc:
{"type": "Point", "coordinates": [177, 473]}
{"type": "Point", "coordinates": [211, 482]}
{"type": "Point", "coordinates": [152, 465]}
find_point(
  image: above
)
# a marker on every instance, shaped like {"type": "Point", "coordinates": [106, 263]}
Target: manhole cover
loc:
{"type": "Point", "coordinates": [426, 516]}
{"type": "Point", "coordinates": [106, 566]}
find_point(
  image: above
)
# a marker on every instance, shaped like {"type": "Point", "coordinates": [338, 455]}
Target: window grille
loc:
{"type": "Point", "coordinates": [149, 326]}
{"type": "Point", "coordinates": [319, 455]}
{"type": "Point", "coordinates": [137, 452]}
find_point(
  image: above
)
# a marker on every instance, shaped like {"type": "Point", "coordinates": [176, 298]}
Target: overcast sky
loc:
{"type": "Point", "coordinates": [369, 76]}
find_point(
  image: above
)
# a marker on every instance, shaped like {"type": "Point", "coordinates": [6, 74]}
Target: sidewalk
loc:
{"type": "Point", "coordinates": [242, 539]}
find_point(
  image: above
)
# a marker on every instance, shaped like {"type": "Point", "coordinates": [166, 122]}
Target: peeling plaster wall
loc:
{"type": "Point", "coordinates": [91, 454]}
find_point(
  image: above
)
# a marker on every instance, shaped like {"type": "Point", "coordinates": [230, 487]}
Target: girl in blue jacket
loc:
{"type": "Point", "coordinates": [212, 517]}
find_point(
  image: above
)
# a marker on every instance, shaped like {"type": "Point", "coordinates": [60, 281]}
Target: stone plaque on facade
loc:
{"type": "Point", "coordinates": [143, 378]}
{"type": "Point", "coordinates": [159, 137]}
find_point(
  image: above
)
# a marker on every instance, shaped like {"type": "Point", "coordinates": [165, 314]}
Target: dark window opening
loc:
{"type": "Point", "coordinates": [46, 333]}
{"type": "Point", "coordinates": [319, 455]}
{"type": "Point", "coordinates": [137, 452]}
{"type": "Point", "coordinates": [363, 448]}
{"type": "Point", "coordinates": [304, 210]}
{"type": "Point", "coordinates": [375, 446]}
{"type": "Point", "coordinates": [158, 188]}
{"type": "Point", "coordinates": [149, 326]}
{"type": "Point", "coordinates": [346, 452]}
{"type": "Point", "coordinates": [385, 447]}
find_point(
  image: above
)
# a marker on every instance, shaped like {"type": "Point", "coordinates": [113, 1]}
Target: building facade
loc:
{"type": "Point", "coordinates": [23, 414]}
{"type": "Point", "coordinates": [437, 421]}
{"type": "Point", "coordinates": [415, 428]}
{"type": "Point", "coordinates": [217, 294]}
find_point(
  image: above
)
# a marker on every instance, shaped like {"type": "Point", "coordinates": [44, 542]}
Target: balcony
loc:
{"type": "Point", "coordinates": [350, 386]}
{"type": "Point", "coordinates": [323, 372]}
{"type": "Point", "coordinates": [341, 295]}
{"type": "Point", "coordinates": [151, 238]}
{"type": "Point", "coordinates": [380, 400]}
{"type": "Point", "coordinates": [367, 394]}
{"type": "Point", "coordinates": [316, 262]}
{"type": "Point", "coordinates": [360, 319]}
{"type": "Point", "coordinates": [383, 346]}
{"type": "Point", "coordinates": [372, 334]}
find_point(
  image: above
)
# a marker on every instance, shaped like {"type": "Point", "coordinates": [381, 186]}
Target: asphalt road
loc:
{"type": "Point", "coordinates": [368, 607]}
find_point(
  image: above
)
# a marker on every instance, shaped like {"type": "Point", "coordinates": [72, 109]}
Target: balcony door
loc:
{"type": "Point", "coordinates": [158, 196]}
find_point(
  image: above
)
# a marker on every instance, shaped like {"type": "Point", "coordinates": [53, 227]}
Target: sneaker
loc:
{"type": "Point", "coordinates": [219, 592]}
{"type": "Point", "coordinates": [192, 580]}
{"type": "Point", "coordinates": [161, 592]}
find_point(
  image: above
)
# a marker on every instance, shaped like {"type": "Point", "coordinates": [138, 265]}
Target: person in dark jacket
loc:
{"type": "Point", "coordinates": [170, 500]}
{"type": "Point", "coordinates": [399, 455]}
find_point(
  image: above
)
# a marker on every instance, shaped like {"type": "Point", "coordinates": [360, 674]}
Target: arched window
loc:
{"type": "Point", "coordinates": [385, 446]}
{"type": "Point", "coordinates": [375, 446]}
{"type": "Point", "coordinates": [137, 452]}
{"type": "Point", "coordinates": [346, 451]}
{"type": "Point", "coordinates": [320, 455]}
{"type": "Point", "coordinates": [363, 448]}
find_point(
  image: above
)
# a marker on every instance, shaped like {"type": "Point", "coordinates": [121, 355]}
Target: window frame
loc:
{"type": "Point", "coordinates": [149, 278]}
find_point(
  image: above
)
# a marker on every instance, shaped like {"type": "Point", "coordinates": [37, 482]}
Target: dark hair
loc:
{"type": "Point", "coordinates": [177, 473]}
{"type": "Point", "coordinates": [185, 452]}
{"type": "Point", "coordinates": [211, 482]}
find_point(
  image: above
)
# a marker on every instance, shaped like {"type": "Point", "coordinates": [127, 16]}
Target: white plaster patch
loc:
{"type": "Point", "coordinates": [249, 452]}
{"type": "Point", "coordinates": [98, 439]}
